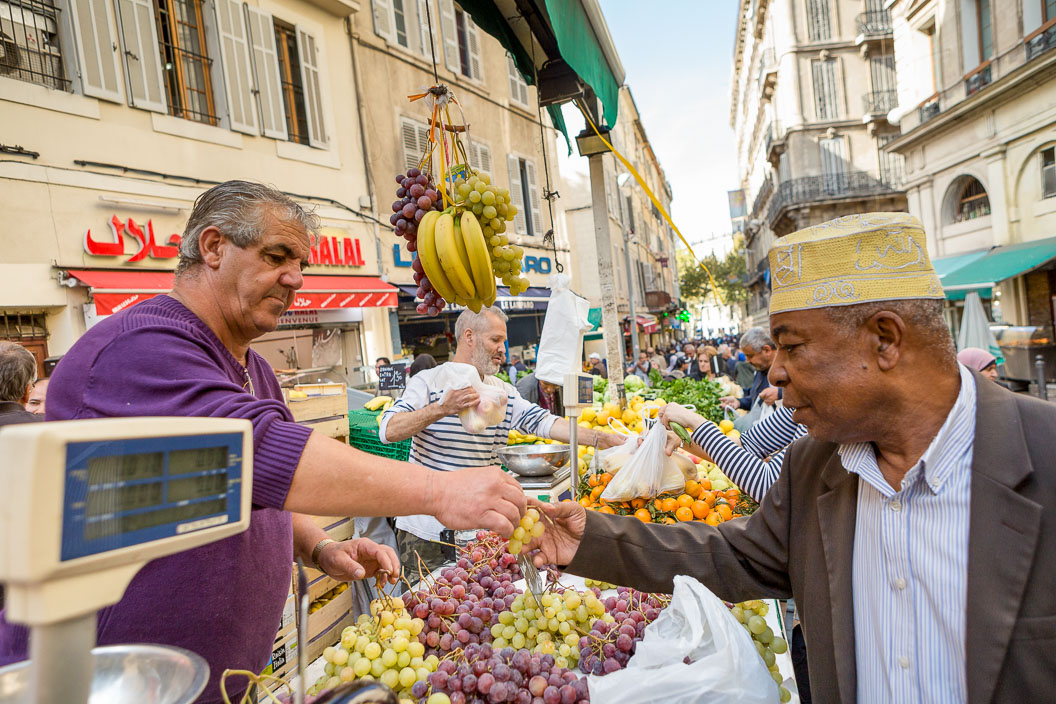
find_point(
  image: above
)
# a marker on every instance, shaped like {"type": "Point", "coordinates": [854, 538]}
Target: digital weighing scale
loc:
{"type": "Point", "coordinates": [549, 488]}
{"type": "Point", "coordinates": [87, 503]}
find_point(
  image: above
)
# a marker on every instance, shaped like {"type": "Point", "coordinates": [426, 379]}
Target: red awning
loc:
{"type": "Point", "coordinates": [114, 291]}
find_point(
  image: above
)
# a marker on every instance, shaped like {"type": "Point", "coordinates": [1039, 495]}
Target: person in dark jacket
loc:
{"type": "Point", "coordinates": [760, 351]}
{"type": "Point", "coordinates": [420, 364]}
{"type": "Point", "coordinates": [18, 371]}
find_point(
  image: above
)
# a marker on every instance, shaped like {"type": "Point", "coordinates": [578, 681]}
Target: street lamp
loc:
{"type": "Point", "coordinates": [621, 181]}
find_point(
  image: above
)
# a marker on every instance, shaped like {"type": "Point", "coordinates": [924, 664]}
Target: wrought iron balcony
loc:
{"type": "Point", "coordinates": [814, 189]}
{"type": "Point", "coordinates": [875, 23]}
{"type": "Point", "coordinates": [928, 110]}
{"type": "Point", "coordinates": [1041, 42]}
{"type": "Point", "coordinates": [879, 102]}
{"type": "Point", "coordinates": [760, 198]}
{"type": "Point", "coordinates": [977, 81]}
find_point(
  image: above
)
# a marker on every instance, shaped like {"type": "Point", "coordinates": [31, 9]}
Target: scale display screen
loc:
{"type": "Point", "coordinates": [125, 492]}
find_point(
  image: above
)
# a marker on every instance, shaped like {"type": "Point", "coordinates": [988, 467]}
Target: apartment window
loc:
{"type": "Point", "coordinates": [414, 138]}
{"type": "Point", "coordinates": [824, 73]}
{"type": "Point", "coordinates": [818, 25]}
{"type": "Point", "coordinates": [518, 88]}
{"type": "Point", "coordinates": [630, 214]}
{"type": "Point", "coordinates": [403, 22]}
{"type": "Point", "coordinates": [936, 56]}
{"type": "Point", "coordinates": [972, 202]}
{"type": "Point", "coordinates": [1049, 10]}
{"type": "Point", "coordinates": [892, 165]}
{"type": "Point", "coordinates": [833, 164]}
{"type": "Point", "coordinates": [461, 41]}
{"type": "Point", "coordinates": [1048, 172]}
{"type": "Point", "coordinates": [986, 40]}
{"type": "Point", "coordinates": [524, 189]}
{"type": "Point", "coordinates": [400, 25]}
{"type": "Point", "coordinates": [181, 36]}
{"type": "Point", "coordinates": [29, 43]}
{"type": "Point", "coordinates": [291, 83]}
{"type": "Point", "coordinates": [479, 156]}
{"type": "Point", "coordinates": [882, 73]}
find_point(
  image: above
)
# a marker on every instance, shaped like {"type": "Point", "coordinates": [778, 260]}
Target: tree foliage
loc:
{"type": "Point", "coordinates": [727, 272]}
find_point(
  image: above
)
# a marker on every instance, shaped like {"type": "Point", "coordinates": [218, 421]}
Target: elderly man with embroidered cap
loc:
{"type": "Point", "coordinates": [913, 525]}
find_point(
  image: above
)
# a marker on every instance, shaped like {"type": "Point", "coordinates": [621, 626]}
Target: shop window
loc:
{"type": "Point", "coordinates": [972, 202]}
{"type": "Point", "coordinates": [29, 43]}
{"type": "Point", "coordinates": [290, 81]}
{"type": "Point", "coordinates": [1048, 171]}
{"type": "Point", "coordinates": [819, 27]}
{"type": "Point", "coordinates": [29, 330]}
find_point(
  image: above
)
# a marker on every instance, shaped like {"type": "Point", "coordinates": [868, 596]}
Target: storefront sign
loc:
{"type": "Point", "coordinates": [398, 260]}
{"type": "Point", "coordinates": [324, 300]}
{"type": "Point", "coordinates": [146, 239]}
{"type": "Point", "coordinates": [392, 376]}
{"type": "Point", "coordinates": [540, 265]}
{"type": "Point", "coordinates": [331, 252]}
{"type": "Point", "coordinates": [296, 318]}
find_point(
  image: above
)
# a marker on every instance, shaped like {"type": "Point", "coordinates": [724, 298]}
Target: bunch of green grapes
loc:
{"type": "Point", "coordinates": [752, 616]}
{"type": "Point", "coordinates": [603, 586]}
{"type": "Point", "coordinates": [493, 209]}
{"type": "Point", "coordinates": [530, 527]}
{"type": "Point", "coordinates": [384, 647]}
{"type": "Point", "coordinates": [552, 626]}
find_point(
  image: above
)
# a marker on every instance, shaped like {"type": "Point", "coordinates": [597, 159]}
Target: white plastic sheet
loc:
{"type": "Point", "coordinates": [561, 342]}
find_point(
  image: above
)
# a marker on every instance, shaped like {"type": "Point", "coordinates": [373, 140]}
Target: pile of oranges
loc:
{"type": "Point", "coordinates": [697, 502]}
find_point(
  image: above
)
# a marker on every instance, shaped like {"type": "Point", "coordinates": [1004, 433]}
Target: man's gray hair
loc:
{"type": "Point", "coordinates": [923, 317]}
{"type": "Point", "coordinates": [238, 209]}
{"type": "Point", "coordinates": [757, 339]}
{"type": "Point", "coordinates": [477, 322]}
{"type": "Point", "coordinates": [18, 369]}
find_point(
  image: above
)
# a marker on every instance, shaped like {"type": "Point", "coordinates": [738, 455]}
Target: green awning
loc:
{"type": "Point", "coordinates": [998, 264]}
{"type": "Point", "coordinates": [945, 266]}
{"type": "Point", "coordinates": [593, 336]}
{"type": "Point", "coordinates": [594, 317]}
{"type": "Point", "coordinates": [581, 49]}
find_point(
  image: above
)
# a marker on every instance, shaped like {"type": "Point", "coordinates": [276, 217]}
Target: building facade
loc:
{"type": "Point", "coordinates": [395, 43]}
{"type": "Point", "coordinates": [643, 244]}
{"type": "Point", "coordinates": [812, 84]}
{"type": "Point", "coordinates": [977, 95]}
{"type": "Point", "coordinates": [117, 115]}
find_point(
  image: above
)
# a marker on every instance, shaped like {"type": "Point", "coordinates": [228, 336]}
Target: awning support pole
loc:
{"type": "Point", "coordinates": [607, 280]}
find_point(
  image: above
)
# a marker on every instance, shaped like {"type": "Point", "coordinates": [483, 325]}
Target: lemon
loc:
{"type": "Point", "coordinates": [726, 425]}
{"type": "Point", "coordinates": [588, 415]}
{"type": "Point", "coordinates": [629, 417]}
{"type": "Point", "coordinates": [602, 417]}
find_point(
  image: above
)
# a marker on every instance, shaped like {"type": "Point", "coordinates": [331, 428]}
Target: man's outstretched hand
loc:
{"type": "Point", "coordinates": [359, 558]}
{"type": "Point", "coordinates": [565, 523]}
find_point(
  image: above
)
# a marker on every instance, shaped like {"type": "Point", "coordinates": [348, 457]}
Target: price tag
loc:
{"type": "Point", "coordinates": [392, 376]}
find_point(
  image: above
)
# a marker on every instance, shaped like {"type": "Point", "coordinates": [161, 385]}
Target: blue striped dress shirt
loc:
{"type": "Point", "coordinates": [910, 571]}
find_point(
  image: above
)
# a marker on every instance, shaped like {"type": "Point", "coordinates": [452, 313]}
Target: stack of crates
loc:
{"type": "Point", "coordinates": [363, 435]}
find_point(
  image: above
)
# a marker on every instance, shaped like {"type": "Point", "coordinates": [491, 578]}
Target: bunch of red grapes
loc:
{"type": "Point", "coordinates": [415, 197]}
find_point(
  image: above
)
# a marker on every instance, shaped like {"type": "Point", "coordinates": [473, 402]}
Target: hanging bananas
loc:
{"type": "Point", "coordinates": [456, 259]}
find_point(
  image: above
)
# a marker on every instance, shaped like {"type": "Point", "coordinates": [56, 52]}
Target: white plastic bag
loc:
{"type": "Point", "coordinates": [648, 473]}
{"type": "Point", "coordinates": [612, 459]}
{"type": "Point", "coordinates": [490, 410]}
{"type": "Point", "coordinates": [724, 664]}
{"type": "Point", "coordinates": [561, 343]}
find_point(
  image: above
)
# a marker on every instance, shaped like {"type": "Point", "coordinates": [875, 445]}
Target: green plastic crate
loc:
{"type": "Point", "coordinates": [363, 435]}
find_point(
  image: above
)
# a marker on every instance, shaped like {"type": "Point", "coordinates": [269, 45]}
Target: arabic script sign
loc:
{"type": "Point", "coordinates": [148, 246]}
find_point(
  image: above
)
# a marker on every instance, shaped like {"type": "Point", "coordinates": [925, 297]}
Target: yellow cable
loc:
{"type": "Point", "coordinates": [649, 192]}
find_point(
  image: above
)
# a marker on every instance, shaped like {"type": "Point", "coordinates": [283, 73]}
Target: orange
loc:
{"type": "Point", "coordinates": [606, 509]}
{"type": "Point", "coordinates": [708, 497]}
{"type": "Point", "coordinates": [705, 484]}
{"type": "Point", "coordinates": [713, 519]}
{"type": "Point", "coordinates": [685, 500]}
{"type": "Point", "coordinates": [668, 504]}
{"type": "Point", "coordinates": [643, 516]}
{"type": "Point", "coordinates": [606, 478]}
{"type": "Point", "coordinates": [596, 492]}
{"type": "Point", "coordinates": [669, 521]}
{"type": "Point", "coordinates": [700, 509]}
{"type": "Point", "coordinates": [725, 511]}
{"type": "Point", "coordinates": [592, 480]}
{"type": "Point", "coordinates": [637, 503]}
{"type": "Point", "coordinates": [733, 495]}
{"type": "Point", "coordinates": [584, 501]}
{"type": "Point", "coordinates": [684, 513]}
{"type": "Point", "coordinates": [693, 488]}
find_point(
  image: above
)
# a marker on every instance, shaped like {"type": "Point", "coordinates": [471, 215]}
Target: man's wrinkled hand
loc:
{"type": "Point", "coordinates": [675, 413]}
{"type": "Point", "coordinates": [458, 400]}
{"type": "Point", "coordinates": [478, 497]}
{"type": "Point", "coordinates": [607, 440]}
{"type": "Point", "coordinates": [565, 523]}
{"type": "Point", "coordinates": [769, 395]}
{"type": "Point", "coordinates": [359, 558]}
{"type": "Point", "coordinates": [729, 402]}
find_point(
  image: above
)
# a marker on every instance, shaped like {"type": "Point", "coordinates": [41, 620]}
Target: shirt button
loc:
{"type": "Point", "coordinates": [903, 662]}
{"type": "Point", "coordinates": [900, 583]}
{"type": "Point", "coordinates": [896, 505]}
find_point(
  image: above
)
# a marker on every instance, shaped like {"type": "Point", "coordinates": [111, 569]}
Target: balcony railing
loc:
{"type": "Point", "coordinates": [928, 110]}
{"type": "Point", "coordinates": [874, 23]}
{"type": "Point", "coordinates": [1041, 42]}
{"type": "Point", "coordinates": [977, 81]}
{"type": "Point", "coordinates": [812, 189]}
{"type": "Point", "coordinates": [760, 198]}
{"type": "Point", "coordinates": [879, 101]}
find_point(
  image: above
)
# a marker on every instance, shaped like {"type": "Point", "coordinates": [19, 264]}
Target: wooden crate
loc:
{"type": "Point", "coordinates": [318, 407]}
{"type": "Point", "coordinates": [336, 428]}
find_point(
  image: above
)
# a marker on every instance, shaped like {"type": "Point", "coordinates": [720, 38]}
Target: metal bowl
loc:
{"type": "Point", "coordinates": [126, 674]}
{"type": "Point", "coordinates": [534, 460]}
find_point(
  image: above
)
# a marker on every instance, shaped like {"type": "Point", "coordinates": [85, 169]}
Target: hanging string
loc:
{"type": "Point", "coordinates": [432, 47]}
{"type": "Point", "coordinates": [548, 194]}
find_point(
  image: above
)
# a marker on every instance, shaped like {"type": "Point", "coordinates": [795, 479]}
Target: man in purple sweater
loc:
{"type": "Point", "coordinates": [187, 354]}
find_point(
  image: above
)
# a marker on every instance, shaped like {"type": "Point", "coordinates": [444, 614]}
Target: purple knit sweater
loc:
{"type": "Point", "coordinates": [222, 600]}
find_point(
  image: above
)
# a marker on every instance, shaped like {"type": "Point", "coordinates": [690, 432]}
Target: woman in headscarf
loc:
{"type": "Point", "coordinates": [979, 360]}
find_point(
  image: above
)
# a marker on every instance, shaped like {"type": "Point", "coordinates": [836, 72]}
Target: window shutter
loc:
{"type": "Point", "coordinates": [450, 35]}
{"type": "Point", "coordinates": [383, 25]}
{"type": "Point", "coordinates": [518, 88]}
{"type": "Point", "coordinates": [825, 89]}
{"type": "Point", "coordinates": [424, 44]}
{"type": "Point", "coordinates": [516, 196]}
{"type": "Point", "coordinates": [139, 40]}
{"type": "Point", "coordinates": [535, 201]}
{"type": "Point", "coordinates": [313, 89]}
{"type": "Point", "coordinates": [476, 65]}
{"type": "Point", "coordinates": [266, 84]}
{"type": "Point", "coordinates": [96, 49]}
{"type": "Point", "coordinates": [833, 164]}
{"type": "Point", "coordinates": [409, 140]}
{"type": "Point", "coordinates": [234, 53]}
{"type": "Point", "coordinates": [484, 158]}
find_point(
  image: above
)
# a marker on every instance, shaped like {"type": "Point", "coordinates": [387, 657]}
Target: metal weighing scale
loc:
{"type": "Point", "coordinates": [88, 503]}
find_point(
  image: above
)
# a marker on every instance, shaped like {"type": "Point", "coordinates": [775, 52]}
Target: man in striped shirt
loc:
{"type": "Point", "coordinates": [428, 413]}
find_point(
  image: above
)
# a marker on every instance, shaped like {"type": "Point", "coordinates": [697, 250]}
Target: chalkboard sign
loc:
{"type": "Point", "coordinates": [392, 376]}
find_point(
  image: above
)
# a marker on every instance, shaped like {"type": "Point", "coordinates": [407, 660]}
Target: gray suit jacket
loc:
{"type": "Point", "coordinates": [800, 543]}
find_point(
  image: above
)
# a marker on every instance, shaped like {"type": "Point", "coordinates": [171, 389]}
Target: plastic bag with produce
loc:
{"type": "Point", "coordinates": [612, 459]}
{"type": "Point", "coordinates": [490, 410]}
{"type": "Point", "coordinates": [648, 473]}
{"type": "Point", "coordinates": [723, 664]}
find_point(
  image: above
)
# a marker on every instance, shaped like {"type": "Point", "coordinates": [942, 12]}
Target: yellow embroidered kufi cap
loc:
{"type": "Point", "coordinates": [852, 259]}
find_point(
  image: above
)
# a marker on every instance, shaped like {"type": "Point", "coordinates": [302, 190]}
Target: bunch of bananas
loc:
{"type": "Point", "coordinates": [379, 403]}
{"type": "Point", "coordinates": [456, 259]}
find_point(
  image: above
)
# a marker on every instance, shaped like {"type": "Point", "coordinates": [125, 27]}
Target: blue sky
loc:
{"type": "Point", "coordinates": [677, 57]}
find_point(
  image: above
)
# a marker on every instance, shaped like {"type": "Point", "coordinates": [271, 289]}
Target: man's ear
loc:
{"type": "Point", "coordinates": [887, 334]}
{"type": "Point", "coordinates": [210, 244]}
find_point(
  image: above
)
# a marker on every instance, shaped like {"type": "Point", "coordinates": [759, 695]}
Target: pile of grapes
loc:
{"type": "Point", "coordinates": [531, 526]}
{"type": "Point", "coordinates": [751, 615]}
{"type": "Point", "coordinates": [487, 674]}
{"type": "Point", "coordinates": [609, 645]}
{"type": "Point", "coordinates": [415, 197]}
